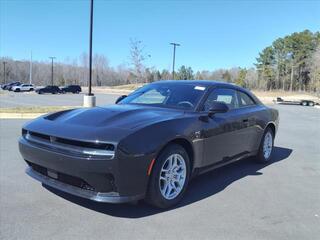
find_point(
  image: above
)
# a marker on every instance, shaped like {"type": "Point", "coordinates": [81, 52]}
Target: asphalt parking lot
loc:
{"type": "Point", "coordinates": [12, 99]}
{"type": "Point", "coordinates": [244, 200]}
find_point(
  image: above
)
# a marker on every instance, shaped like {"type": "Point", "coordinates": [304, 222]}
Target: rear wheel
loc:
{"type": "Point", "coordinates": [304, 103]}
{"type": "Point", "coordinates": [169, 178]}
{"type": "Point", "coordinates": [311, 104]}
{"type": "Point", "coordinates": [266, 146]}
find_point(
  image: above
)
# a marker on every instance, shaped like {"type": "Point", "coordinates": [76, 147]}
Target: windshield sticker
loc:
{"type": "Point", "coordinates": [199, 88]}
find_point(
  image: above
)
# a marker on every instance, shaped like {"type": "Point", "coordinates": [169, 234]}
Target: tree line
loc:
{"type": "Point", "coordinates": [289, 63]}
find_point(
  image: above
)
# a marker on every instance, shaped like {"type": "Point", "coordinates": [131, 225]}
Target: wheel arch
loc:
{"type": "Point", "coordinates": [271, 125]}
{"type": "Point", "coordinates": [186, 144]}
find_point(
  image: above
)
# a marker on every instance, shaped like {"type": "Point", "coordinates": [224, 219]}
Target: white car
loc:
{"type": "Point", "coordinates": [23, 87]}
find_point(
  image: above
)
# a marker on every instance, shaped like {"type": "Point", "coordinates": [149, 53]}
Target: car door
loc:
{"type": "Point", "coordinates": [24, 87]}
{"type": "Point", "coordinates": [249, 109]}
{"type": "Point", "coordinates": [223, 133]}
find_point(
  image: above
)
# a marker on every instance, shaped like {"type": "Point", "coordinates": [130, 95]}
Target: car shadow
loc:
{"type": "Point", "coordinates": [201, 187]}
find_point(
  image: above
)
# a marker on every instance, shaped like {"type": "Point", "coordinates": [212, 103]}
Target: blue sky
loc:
{"type": "Point", "coordinates": [212, 34]}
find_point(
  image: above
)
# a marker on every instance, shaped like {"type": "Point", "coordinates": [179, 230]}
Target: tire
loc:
{"type": "Point", "coordinates": [31, 89]}
{"type": "Point", "coordinates": [39, 92]}
{"type": "Point", "coordinates": [160, 194]}
{"type": "Point", "coordinates": [304, 103]}
{"type": "Point", "coordinates": [17, 90]}
{"type": "Point", "coordinates": [266, 146]}
{"type": "Point", "coordinates": [311, 104]}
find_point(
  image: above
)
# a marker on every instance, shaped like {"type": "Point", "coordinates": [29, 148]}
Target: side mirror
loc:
{"type": "Point", "coordinates": [218, 107]}
{"type": "Point", "coordinates": [120, 98]}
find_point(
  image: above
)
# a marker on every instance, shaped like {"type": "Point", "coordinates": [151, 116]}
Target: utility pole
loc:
{"type": "Point", "coordinates": [30, 70]}
{"type": "Point", "coordinates": [174, 56]}
{"type": "Point", "coordinates": [90, 48]}
{"type": "Point", "coordinates": [4, 72]}
{"type": "Point", "coordinates": [52, 70]}
{"type": "Point", "coordinates": [89, 100]}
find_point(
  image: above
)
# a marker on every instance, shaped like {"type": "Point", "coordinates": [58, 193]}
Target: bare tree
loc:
{"type": "Point", "coordinates": [137, 57]}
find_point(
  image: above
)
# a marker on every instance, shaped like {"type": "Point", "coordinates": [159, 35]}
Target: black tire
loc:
{"type": "Point", "coordinates": [304, 103]}
{"type": "Point", "coordinates": [261, 156]}
{"type": "Point", "coordinates": [31, 89]}
{"type": "Point", "coordinates": [311, 104]}
{"type": "Point", "coordinates": [39, 92]}
{"type": "Point", "coordinates": [17, 90]}
{"type": "Point", "coordinates": [154, 196]}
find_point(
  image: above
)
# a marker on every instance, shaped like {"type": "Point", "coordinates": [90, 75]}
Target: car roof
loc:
{"type": "Point", "coordinates": [209, 83]}
{"type": "Point", "coordinates": [206, 83]}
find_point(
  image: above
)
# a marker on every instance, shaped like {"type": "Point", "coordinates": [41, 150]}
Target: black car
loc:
{"type": "Point", "coordinates": [8, 86]}
{"type": "Point", "coordinates": [48, 89]}
{"type": "Point", "coordinates": [151, 143]}
{"type": "Point", "coordinates": [71, 88]}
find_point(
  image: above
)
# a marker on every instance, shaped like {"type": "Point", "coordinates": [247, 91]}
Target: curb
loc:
{"type": "Point", "coordinates": [20, 115]}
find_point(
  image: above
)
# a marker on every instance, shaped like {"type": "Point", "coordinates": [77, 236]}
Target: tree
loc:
{"type": "Point", "coordinates": [226, 76]}
{"type": "Point", "coordinates": [185, 73]}
{"type": "Point", "coordinates": [241, 78]}
{"type": "Point", "coordinates": [137, 57]}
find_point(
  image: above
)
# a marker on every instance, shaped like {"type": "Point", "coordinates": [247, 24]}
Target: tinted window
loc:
{"type": "Point", "coordinates": [184, 96]}
{"type": "Point", "coordinates": [245, 99]}
{"type": "Point", "coordinates": [228, 96]}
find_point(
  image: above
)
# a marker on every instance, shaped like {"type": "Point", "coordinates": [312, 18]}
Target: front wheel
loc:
{"type": "Point", "coordinates": [266, 146]}
{"type": "Point", "coordinates": [169, 178]}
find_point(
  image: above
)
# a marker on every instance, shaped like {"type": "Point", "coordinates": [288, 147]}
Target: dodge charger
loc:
{"type": "Point", "coordinates": [151, 143]}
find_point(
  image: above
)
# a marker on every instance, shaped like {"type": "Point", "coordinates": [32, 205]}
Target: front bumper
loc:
{"type": "Point", "coordinates": [110, 197]}
{"type": "Point", "coordinates": [121, 179]}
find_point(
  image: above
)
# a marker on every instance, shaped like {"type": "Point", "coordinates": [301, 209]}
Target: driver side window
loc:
{"type": "Point", "coordinates": [228, 96]}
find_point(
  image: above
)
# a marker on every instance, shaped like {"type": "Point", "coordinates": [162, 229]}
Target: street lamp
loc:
{"type": "Point", "coordinates": [174, 56]}
{"type": "Point", "coordinates": [89, 100]}
{"type": "Point", "coordinates": [52, 69]}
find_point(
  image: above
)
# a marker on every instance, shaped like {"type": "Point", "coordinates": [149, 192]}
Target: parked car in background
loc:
{"type": "Point", "coordinates": [49, 89]}
{"type": "Point", "coordinates": [13, 85]}
{"type": "Point", "coordinates": [71, 88]}
{"type": "Point", "coordinates": [23, 88]}
{"type": "Point", "coordinates": [9, 85]}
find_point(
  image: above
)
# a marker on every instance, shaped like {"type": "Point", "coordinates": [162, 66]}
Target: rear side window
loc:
{"type": "Point", "coordinates": [245, 100]}
{"type": "Point", "coordinates": [228, 96]}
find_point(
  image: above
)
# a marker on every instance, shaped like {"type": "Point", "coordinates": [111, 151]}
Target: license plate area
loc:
{"type": "Point", "coordinates": [52, 174]}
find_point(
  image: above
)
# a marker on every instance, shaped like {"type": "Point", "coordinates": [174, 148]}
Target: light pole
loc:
{"type": "Point", "coordinates": [89, 100]}
{"type": "Point", "coordinates": [52, 70]}
{"type": "Point", "coordinates": [30, 70]}
{"type": "Point", "coordinates": [4, 72]}
{"type": "Point", "coordinates": [174, 56]}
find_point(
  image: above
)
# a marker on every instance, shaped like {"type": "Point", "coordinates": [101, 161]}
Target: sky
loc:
{"type": "Point", "coordinates": [212, 34]}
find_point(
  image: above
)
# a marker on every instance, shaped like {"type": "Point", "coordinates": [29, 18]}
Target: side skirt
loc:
{"type": "Point", "coordinates": [223, 162]}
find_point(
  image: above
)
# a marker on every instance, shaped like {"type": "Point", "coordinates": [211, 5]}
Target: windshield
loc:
{"type": "Point", "coordinates": [171, 95]}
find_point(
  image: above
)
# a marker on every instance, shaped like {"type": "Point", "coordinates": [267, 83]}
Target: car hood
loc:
{"type": "Point", "coordinates": [109, 123]}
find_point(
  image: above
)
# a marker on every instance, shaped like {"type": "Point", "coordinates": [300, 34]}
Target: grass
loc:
{"type": "Point", "coordinates": [35, 109]}
{"type": "Point", "coordinates": [128, 86]}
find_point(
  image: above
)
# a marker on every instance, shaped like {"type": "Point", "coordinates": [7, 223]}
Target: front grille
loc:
{"type": "Point", "coordinates": [65, 178]}
{"type": "Point", "coordinates": [95, 145]}
{"type": "Point", "coordinates": [99, 150]}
